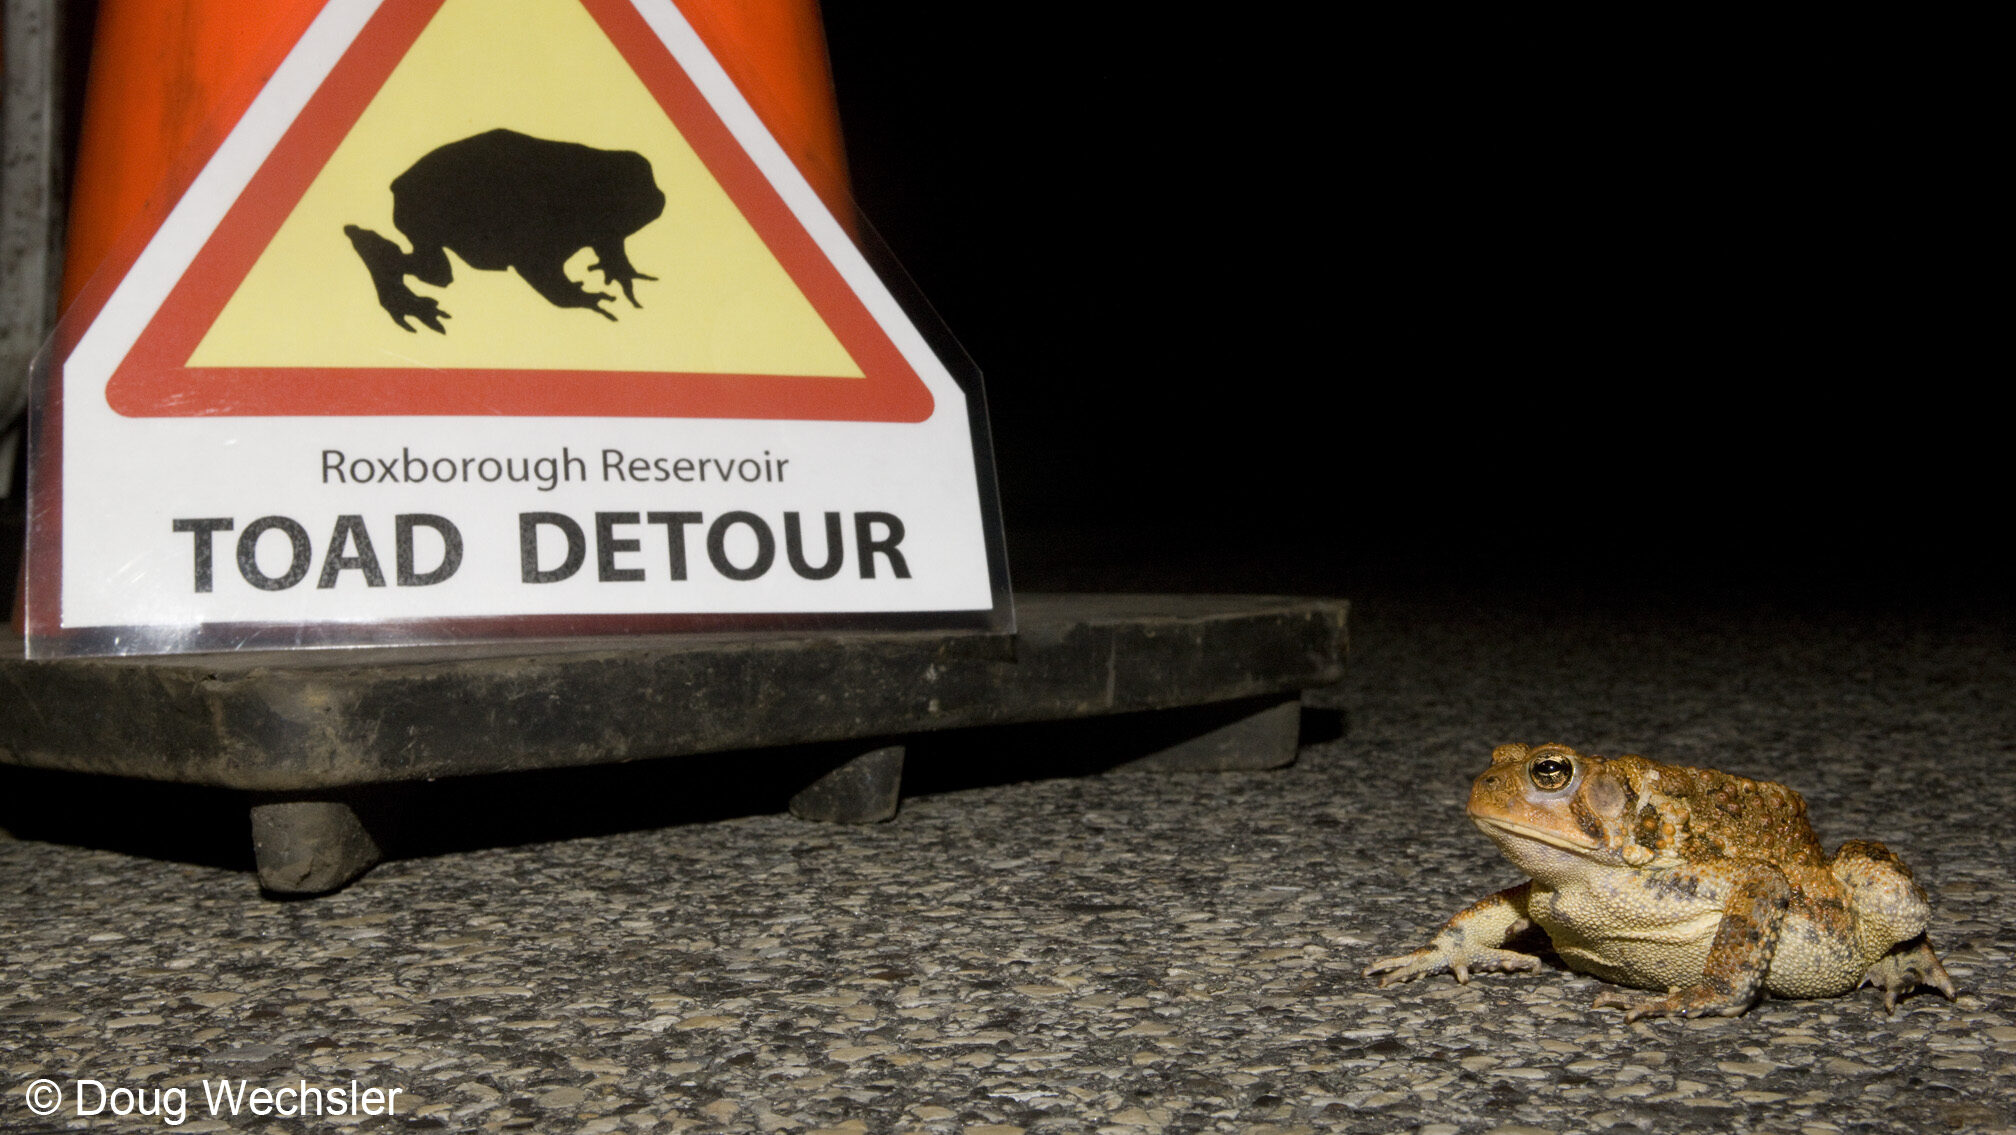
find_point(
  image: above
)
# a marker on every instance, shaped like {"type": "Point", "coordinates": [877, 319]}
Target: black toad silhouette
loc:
{"type": "Point", "coordinates": [502, 199]}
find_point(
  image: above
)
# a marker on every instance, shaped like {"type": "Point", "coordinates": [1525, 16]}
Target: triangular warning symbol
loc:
{"type": "Point", "coordinates": [518, 207]}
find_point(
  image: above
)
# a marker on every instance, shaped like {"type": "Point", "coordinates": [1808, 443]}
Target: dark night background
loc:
{"type": "Point", "coordinates": [1634, 310]}
{"type": "Point", "coordinates": [1624, 310]}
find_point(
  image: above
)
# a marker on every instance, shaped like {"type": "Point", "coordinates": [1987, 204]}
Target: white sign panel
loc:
{"type": "Point", "coordinates": [450, 339]}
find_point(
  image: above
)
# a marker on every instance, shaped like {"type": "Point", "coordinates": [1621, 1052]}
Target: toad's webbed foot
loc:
{"type": "Point", "coordinates": [1448, 954]}
{"type": "Point", "coordinates": [1703, 1000]}
{"type": "Point", "coordinates": [388, 265]}
{"type": "Point", "coordinates": [550, 280]}
{"type": "Point", "coordinates": [1907, 966]}
{"type": "Point", "coordinates": [614, 264]}
{"type": "Point", "coordinates": [1470, 941]}
{"type": "Point", "coordinates": [407, 303]}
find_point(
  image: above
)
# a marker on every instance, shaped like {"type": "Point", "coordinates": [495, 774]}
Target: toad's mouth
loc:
{"type": "Point", "coordinates": [1513, 828]}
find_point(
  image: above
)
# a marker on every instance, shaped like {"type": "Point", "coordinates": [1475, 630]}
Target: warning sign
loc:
{"type": "Point", "coordinates": [528, 207]}
{"type": "Point", "coordinates": [501, 310]}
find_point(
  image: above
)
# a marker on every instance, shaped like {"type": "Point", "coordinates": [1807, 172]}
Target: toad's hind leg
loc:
{"type": "Point", "coordinates": [1891, 912]}
{"type": "Point", "coordinates": [1738, 958]}
{"type": "Point", "coordinates": [1889, 905]}
{"type": "Point", "coordinates": [1907, 966]}
{"type": "Point", "coordinates": [389, 265]}
{"type": "Point", "coordinates": [429, 264]}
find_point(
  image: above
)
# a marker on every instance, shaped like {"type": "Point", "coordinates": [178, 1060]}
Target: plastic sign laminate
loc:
{"type": "Point", "coordinates": [495, 318]}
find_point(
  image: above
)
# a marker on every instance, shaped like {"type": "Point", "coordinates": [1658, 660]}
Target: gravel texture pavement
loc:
{"type": "Point", "coordinates": [1086, 953]}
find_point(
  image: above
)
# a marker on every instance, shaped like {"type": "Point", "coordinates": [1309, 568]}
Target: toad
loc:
{"type": "Point", "coordinates": [502, 199]}
{"type": "Point", "coordinates": [1709, 888]}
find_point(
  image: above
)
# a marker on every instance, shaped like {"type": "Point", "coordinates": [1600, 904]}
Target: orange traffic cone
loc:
{"type": "Point", "coordinates": [775, 50]}
{"type": "Point", "coordinates": [169, 79]}
{"type": "Point", "coordinates": [167, 82]}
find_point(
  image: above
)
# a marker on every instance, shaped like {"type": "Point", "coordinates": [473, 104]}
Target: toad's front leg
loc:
{"type": "Point", "coordinates": [614, 264]}
{"type": "Point", "coordinates": [1468, 942]}
{"type": "Point", "coordinates": [1738, 958]}
{"type": "Point", "coordinates": [548, 276]}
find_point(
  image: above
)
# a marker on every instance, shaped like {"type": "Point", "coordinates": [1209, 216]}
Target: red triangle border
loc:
{"type": "Point", "coordinates": [153, 380]}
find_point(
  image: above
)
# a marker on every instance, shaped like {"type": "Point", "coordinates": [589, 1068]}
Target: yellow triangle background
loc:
{"type": "Point", "coordinates": [721, 303]}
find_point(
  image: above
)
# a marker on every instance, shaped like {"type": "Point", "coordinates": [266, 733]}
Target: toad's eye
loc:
{"type": "Point", "coordinates": [1550, 773]}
